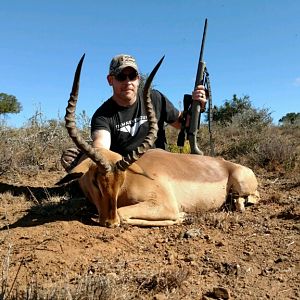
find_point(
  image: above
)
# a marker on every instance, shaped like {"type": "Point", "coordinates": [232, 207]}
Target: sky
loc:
{"type": "Point", "coordinates": [252, 49]}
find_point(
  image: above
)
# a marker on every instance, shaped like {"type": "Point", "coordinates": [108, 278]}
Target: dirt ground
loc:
{"type": "Point", "coordinates": [50, 244]}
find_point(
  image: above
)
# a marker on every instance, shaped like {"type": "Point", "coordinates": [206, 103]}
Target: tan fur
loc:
{"type": "Point", "coordinates": [161, 187]}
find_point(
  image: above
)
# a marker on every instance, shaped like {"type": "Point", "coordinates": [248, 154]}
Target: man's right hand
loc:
{"type": "Point", "coordinates": [69, 158]}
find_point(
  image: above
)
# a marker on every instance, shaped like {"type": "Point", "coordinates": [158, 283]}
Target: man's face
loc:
{"type": "Point", "coordinates": [125, 86]}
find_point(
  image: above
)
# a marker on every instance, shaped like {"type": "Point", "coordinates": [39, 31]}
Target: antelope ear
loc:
{"type": "Point", "coordinates": [135, 168]}
{"type": "Point", "coordinates": [69, 178]}
{"type": "Point", "coordinates": [83, 165]}
{"type": "Point", "coordinates": [77, 171]}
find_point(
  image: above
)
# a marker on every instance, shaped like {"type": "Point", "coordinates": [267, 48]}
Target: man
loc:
{"type": "Point", "coordinates": [120, 124]}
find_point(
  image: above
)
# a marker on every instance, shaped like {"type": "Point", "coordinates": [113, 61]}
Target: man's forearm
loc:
{"type": "Point", "coordinates": [177, 123]}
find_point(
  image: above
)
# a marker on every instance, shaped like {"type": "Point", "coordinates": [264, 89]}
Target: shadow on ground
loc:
{"type": "Point", "coordinates": [51, 204]}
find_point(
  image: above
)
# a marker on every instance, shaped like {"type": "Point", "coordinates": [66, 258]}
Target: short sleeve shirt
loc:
{"type": "Point", "coordinates": [129, 126]}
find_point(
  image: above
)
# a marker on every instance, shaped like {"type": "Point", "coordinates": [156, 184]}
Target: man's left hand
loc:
{"type": "Point", "coordinates": [199, 94]}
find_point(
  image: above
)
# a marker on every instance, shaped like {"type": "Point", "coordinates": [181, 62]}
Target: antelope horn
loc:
{"type": "Point", "coordinates": [149, 140]}
{"type": "Point", "coordinates": [71, 125]}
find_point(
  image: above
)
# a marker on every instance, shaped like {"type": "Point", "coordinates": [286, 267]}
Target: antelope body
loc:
{"type": "Point", "coordinates": [153, 187]}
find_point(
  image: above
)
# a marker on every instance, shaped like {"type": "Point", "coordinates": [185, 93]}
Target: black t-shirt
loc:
{"type": "Point", "coordinates": [128, 126]}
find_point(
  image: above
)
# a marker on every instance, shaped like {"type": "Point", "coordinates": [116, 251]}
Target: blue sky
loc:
{"type": "Point", "coordinates": [252, 48]}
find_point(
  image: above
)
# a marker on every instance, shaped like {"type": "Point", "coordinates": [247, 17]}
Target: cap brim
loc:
{"type": "Point", "coordinates": [124, 66]}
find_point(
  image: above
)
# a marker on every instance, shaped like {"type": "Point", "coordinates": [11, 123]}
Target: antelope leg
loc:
{"type": "Point", "coordinates": [149, 214]}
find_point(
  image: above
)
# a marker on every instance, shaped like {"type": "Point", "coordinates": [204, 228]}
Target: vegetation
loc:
{"type": "Point", "coordinates": [240, 108]}
{"type": "Point", "coordinates": [290, 119]}
{"type": "Point", "coordinates": [9, 104]}
{"type": "Point", "coordinates": [38, 145]}
{"type": "Point", "coordinates": [246, 134]}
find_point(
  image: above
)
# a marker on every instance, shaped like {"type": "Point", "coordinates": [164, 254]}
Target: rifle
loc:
{"type": "Point", "coordinates": [193, 108]}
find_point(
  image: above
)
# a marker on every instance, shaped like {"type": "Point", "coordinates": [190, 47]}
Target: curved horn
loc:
{"type": "Point", "coordinates": [149, 140]}
{"type": "Point", "coordinates": [71, 124]}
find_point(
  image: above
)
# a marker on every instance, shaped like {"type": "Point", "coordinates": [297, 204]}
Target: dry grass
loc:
{"type": "Point", "coordinates": [165, 281]}
{"type": "Point", "coordinates": [36, 146]}
{"type": "Point", "coordinates": [93, 287]}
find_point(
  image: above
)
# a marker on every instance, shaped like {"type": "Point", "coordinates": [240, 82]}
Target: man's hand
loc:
{"type": "Point", "coordinates": [70, 158]}
{"type": "Point", "coordinates": [199, 94]}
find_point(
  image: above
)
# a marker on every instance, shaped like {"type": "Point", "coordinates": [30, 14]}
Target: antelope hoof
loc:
{"type": "Point", "coordinates": [182, 216]}
{"type": "Point", "coordinates": [240, 204]}
{"type": "Point", "coordinates": [110, 223]}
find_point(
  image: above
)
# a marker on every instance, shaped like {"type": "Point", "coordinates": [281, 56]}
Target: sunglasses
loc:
{"type": "Point", "coordinates": [131, 76]}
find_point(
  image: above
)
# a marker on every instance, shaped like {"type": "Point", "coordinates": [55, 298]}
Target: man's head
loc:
{"type": "Point", "coordinates": [124, 78]}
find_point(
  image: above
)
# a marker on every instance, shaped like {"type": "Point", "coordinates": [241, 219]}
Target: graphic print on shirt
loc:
{"type": "Point", "coordinates": [132, 126]}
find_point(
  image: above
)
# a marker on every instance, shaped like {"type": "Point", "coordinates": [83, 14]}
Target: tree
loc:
{"type": "Point", "coordinates": [9, 104]}
{"type": "Point", "coordinates": [224, 114]}
{"type": "Point", "coordinates": [143, 78]}
{"type": "Point", "coordinates": [290, 118]}
{"type": "Point", "coordinates": [240, 111]}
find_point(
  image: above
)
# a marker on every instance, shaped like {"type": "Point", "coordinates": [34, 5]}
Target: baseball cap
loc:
{"type": "Point", "coordinates": [120, 62]}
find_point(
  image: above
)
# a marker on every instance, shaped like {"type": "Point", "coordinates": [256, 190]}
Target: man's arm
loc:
{"type": "Point", "coordinates": [101, 139]}
{"type": "Point", "coordinates": [177, 123]}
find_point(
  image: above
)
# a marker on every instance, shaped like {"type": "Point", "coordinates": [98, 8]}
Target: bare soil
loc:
{"type": "Point", "coordinates": [51, 244]}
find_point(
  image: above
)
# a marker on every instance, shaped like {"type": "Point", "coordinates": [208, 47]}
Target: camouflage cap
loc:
{"type": "Point", "coordinates": [120, 62]}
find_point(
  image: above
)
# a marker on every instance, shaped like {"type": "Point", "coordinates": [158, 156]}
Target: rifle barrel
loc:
{"type": "Point", "coordinates": [203, 39]}
{"type": "Point", "coordinates": [201, 64]}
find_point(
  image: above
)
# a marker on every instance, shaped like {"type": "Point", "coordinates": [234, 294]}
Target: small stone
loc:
{"type": "Point", "coordinates": [207, 237]}
{"type": "Point", "coordinates": [281, 259]}
{"type": "Point", "coordinates": [296, 227]}
{"type": "Point", "coordinates": [193, 264]}
{"type": "Point", "coordinates": [249, 252]}
{"type": "Point", "coordinates": [160, 297]}
{"type": "Point", "coordinates": [180, 257]}
{"type": "Point", "coordinates": [192, 233]}
{"type": "Point", "coordinates": [181, 235]}
{"type": "Point", "coordinates": [221, 293]}
{"type": "Point", "coordinates": [220, 244]}
{"type": "Point", "coordinates": [190, 258]}
{"type": "Point", "coordinates": [170, 256]}
{"type": "Point", "coordinates": [111, 276]}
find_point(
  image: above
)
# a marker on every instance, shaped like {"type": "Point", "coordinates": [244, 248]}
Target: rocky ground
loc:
{"type": "Point", "coordinates": [51, 247]}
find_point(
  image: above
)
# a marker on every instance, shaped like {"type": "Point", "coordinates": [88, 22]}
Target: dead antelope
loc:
{"type": "Point", "coordinates": [152, 187]}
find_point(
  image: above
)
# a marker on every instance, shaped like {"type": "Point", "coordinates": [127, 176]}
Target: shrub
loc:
{"type": "Point", "coordinates": [256, 144]}
{"type": "Point", "coordinates": [276, 151]}
{"type": "Point", "coordinates": [37, 145]}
